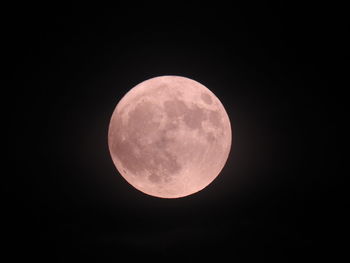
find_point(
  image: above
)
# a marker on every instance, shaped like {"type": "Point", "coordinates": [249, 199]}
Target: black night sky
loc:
{"type": "Point", "coordinates": [269, 64]}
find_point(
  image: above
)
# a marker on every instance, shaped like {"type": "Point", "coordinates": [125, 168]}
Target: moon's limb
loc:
{"type": "Point", "coordinates": [169, 136]}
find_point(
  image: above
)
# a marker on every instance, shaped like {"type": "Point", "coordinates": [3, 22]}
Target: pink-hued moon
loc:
{"type": "Point", "coordinates": [169, 136]}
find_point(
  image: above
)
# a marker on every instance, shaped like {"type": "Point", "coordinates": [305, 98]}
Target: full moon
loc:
{"type": "Point", "coordinates": [169, 136]}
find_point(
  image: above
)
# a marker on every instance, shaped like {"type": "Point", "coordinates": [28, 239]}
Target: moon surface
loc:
{"type": "Point", "coordinates": [169, 136]}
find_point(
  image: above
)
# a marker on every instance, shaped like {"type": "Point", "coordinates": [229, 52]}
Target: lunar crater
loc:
{"type": "Point", "coordinates": [206, 98]}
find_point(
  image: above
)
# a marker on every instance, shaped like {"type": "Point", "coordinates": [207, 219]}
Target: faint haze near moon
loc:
{"type": "Point", "coordinates": [169, 136]}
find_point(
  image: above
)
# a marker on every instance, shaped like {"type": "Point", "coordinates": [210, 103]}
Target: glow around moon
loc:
{"type": "Point", "coordinates": [169, 136]}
